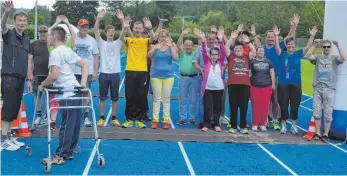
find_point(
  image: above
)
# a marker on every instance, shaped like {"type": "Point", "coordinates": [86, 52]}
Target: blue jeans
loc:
{"type": "Point", "coordinates": [200, 100]}
{"type": "Point", "coordinates": [188, 93]}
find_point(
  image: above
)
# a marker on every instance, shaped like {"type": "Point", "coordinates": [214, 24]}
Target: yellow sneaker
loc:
{"type": "Point", "coordinates": [101, 122]}
{"type": "Point", "coordinates": [115, 123]}
{"type": "Point", "coordinates": [140, 124]}
{"type": "Point", "coordinates": [127, 124]}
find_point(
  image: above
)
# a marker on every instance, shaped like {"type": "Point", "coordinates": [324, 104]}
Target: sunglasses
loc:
{"type": "Point", "coordinates": [326, 46]}
{"type": "Point", "coordinates": [212, 32]}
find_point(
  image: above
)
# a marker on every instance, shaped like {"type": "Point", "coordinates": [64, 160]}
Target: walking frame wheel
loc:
{"type": "Point", "coordinates": [101, 161]}
{"type": "Point", "coordinates": [28, 150]}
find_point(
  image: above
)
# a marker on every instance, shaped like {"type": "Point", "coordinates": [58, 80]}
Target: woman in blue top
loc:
{"type": "Point", "coordinates": [162, 76]}
{"type": "Point", "coordinates": [289, 78]}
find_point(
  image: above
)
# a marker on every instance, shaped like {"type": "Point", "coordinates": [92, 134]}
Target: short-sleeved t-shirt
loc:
{"type": "Point", "coordinates": [185, 62]}
{"type": "Point", "coordinates": [64, 58]}
{"type": "Point", "coordinates": [110, 56]}
{"type": "Point", "coordinates": [137, 54]}
{"type": "Point", "coordinates": [260, 70]}
{"type": "Point", "coordinates": [271, 54]}
{"type": "Point", "coordinates": [290, 67]}
{"type": "Point", "coordinates": [40, 54]}
{"type": "Point", "coordinates": [86, 48]}
{"type": "Point", "coordinates": [162, 65]}
{"type": "Point", "coordinates": [326, 70]}
{"type": "Point", "coordinates": [238, 70]}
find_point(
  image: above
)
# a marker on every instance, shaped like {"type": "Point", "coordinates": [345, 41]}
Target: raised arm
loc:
{"type": "Point", "coordinates": [256, 40]}
{"type": "Point", "coordinates": [101, 14]}
{"type": "Point", "coordinates": [294, 22]}
{"type": "Point", "coordinates": [180, 40]}
{"type": "Point", "coordinates": [310, 40]}
{"type": "Point", "coordinates": [231, 41]}
{"type": "Point", "coordinates": [277, 44]}
{"type": "Point", "coordinates": [8, 8]}
{"type": "Point", "coordinates": [71, 30]}
{"type": "Point", "coordinates": [125, 25]}
{"type": "Point", "coordinates": [147, 24]}
{"type": "Point", "coordinates": [309, 53]}
{"type": "Point", "coordinates": [160, 27]}
{"type": "Point", "coordinates": [341, 52]}
{"type": "Point", "coordinates": [220, 35]}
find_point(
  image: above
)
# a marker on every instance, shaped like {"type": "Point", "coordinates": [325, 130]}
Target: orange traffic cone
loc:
{"type": "Point", "coordinates": [23, 130]}
{"type": "Point", "coordinates": [311, 130]}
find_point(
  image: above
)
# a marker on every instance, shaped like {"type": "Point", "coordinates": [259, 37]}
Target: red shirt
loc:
{"type": "Point", "coordinates": [238, 70]}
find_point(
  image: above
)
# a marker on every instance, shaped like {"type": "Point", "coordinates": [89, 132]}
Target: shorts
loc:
{"type": "Point", "coordinates": [37, 82]}
{"type": "Point", "coordinates": [54, 103]}
{"type": "Point", "coordinates": [12, 89]}
{"type": "Point", "coordinates": [109, 81]}
{"type": "Point", "coordinates": [89, 80]}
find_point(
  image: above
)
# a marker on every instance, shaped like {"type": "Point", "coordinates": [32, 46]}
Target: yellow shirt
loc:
{"type": "Point", "coordinates": [137, 54]}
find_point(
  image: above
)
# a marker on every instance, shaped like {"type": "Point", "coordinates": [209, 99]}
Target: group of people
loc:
{"type": "Point", "coordinates": [268, 75]}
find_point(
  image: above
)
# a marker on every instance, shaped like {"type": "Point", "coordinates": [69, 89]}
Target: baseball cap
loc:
{"type": "Point", "coordinates": [43, 28]}
{"type": "Point", "coordinates": [82, 22]}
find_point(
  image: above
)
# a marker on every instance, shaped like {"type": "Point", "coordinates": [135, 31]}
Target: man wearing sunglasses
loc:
{"type": "Point", "coordinates": [38, 65]}
{"type": "Point", "coordinates": [324, 84]}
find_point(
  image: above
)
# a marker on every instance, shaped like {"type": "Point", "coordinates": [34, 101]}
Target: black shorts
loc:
{"type": "Point", "coordinates": [109, 81]}
{"type": "Point", "coordinates": [89, 80]}
{"type": "Point", "coordinates": [12, 89]}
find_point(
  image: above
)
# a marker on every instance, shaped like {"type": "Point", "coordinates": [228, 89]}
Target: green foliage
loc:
{"type": "Point", "coordinates": [40, 19]}
{"type": "Point", "coordinates": [310, 18]}
{"type": "Point", "coordinates": [214, 18]}
{"type": "Point", "coordinates": [43, 11]}
{"type": "Point", "coordinates": [30, 31]}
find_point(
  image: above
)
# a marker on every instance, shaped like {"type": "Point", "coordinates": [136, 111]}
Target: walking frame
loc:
{"type": "Point", "coordinates": [59, 91]}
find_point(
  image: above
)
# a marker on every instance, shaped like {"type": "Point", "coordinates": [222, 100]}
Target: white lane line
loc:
{"type": "Point", "coordinates": [120, 87]}
{"type": "Point", "coordinates": [309, 109]}
{"type": "Point", "coordinates": [184, 153]}
{"type": "Point", "coordinates": [278, 160]}
{"type": "Point", "coordinates": [306, 100]}
{"type": "Point", "coordinates": [91, 158]}
{"type": "Point", "coordinates": [176, 75]}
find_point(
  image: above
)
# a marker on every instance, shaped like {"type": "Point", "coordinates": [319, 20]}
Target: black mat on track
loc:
{"type": "Point", "coordinates": [186, 135]}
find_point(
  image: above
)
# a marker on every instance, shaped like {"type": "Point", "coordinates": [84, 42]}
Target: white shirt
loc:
{"type": "Point", "coordinates": [214, 80]}
{"type": "Point", "coordinates": [110, 56]}
{"type": "Point", "coordinates": [86, 48]}
{"type": "Point", "coordinates": [64, 58]}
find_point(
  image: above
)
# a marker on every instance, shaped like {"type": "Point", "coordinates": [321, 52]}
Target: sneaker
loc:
{"type": "Point", "coordinates": [37, 120]}
{"type": "Point", "coordinates": [101, 122]}
{"type": "Point", "coordinates": [325, 139]}
{"type": "Point", "coordinates": [316, 137]}
{"type": "Point", "coordinates": [192, 122]}
{"type": "Point", "coordinates": [127, 124]}
{"type": "Point", "coordinates": [181, 122]}
{"type": "Point", "coordinates": [154, 125]}
{"type": "Point", "coordinates": [254, 128]}
{"type": "Point", "coordinates": [263, 128]}
{"type": "Point", "coordinates": [166, 124]}
{"type": "Point", "coordinates": [146, 118]}
{"type": "Point", "coordinates": [276, 125]}
{"type": "Point", "coordinates": [9, 145]}
{"type": "Point", "coordinates": [140, 124]}
{"type": "Point", "coordinates": [205, 129]}
{"type": "Point", "coordinates": [217, 129]}
{"type": "Point", "coordinates": [53, 125]}
{"type": "Point", "coordinates": [244, 131]}
{"type": "Point", "coordinates": [70, 157]}
{"type": "Point", "coordinates": [87, 122]}
{"type": "Point", "coordinates": [294, 129]}
{"type": "Point", "coordinates": [232, 130]}
{"type": "Point", "coordinates": [17, 143]}
{"type": "Point", "coordinates": [57, 160]}
{"type": "Point", "coordinates": [283, 129]}
{"type": "Point", "coordinates": [115, 123]}
{"type": "Point", "coordinates": [229, 125]}
{"type": "Point", "coordinates": [224, 120]}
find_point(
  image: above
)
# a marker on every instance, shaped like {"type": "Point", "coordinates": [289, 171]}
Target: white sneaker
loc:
{"type": "Point", "coordinates": [9, 145]}
{"type": "Point", "coordinates": [14, 141]}
{"type": "Point", "coordinates": [87, 122]}
{"type": "Point", "coordinates": [254, 128]}
{"type": "Point", "coordinates": [263, 128]}
{"type": "Point", "coordinates": [224, 120]}
{"type": "Point", "coordinates": [37, 120]}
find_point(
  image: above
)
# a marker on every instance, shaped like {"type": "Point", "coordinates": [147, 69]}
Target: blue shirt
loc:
{"type": "Point", "coordinates": [162, 65]}
{"type": "Point", "coordinates": [271, 54]}
{"type": "Point", "coordinates": [289, 67]}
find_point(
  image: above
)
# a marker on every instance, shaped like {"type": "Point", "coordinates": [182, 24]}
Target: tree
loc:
{"type": "Point", "coordinates": [311, 16]}
{"type": "Point", "coordinates": [75, 10]}
{"type": "Point", "coordinates": [43, 11]}
{"type": "Point", "coordinates": [214, 18]}
{"type": "Point", "coordinates": [40, 19]}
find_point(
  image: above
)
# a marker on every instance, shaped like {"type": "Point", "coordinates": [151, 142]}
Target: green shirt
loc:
{"type": "Point", "coordinates": [186, 66]}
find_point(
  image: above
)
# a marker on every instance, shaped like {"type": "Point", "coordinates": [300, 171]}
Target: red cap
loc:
{"type": "Point", "coordinates": [82, 22]}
